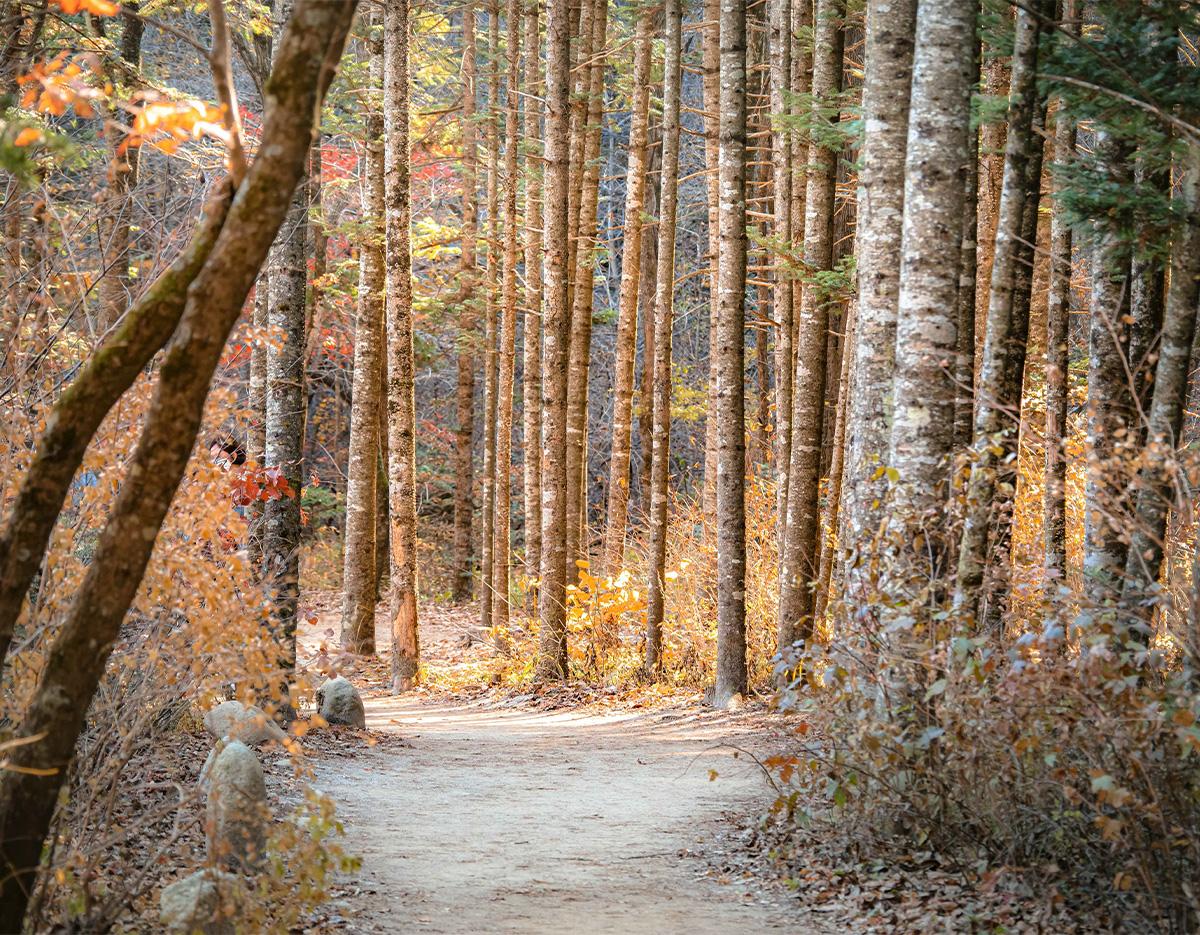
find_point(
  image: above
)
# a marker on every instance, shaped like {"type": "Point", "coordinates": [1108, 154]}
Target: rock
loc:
{"type": "Point", "coordinates": [250, 725]}
{"type": "Point", "coordinates": [340, 703]}
{"type": "Point", "coordinates": [200, 903]}
{"type": "Point", "coordinates": [237, 808]}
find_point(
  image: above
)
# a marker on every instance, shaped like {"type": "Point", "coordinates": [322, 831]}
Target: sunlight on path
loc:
{"type": "Point", "coordinates": [521, 821]}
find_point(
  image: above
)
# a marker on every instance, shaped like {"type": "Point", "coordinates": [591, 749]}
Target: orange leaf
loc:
{"type": "Point", "coordinates": [28, 137]}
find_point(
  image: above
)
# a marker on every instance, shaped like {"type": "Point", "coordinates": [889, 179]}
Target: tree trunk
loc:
{"type": "Point", "coordinates": [361, 551]}
{"type": "Point", "coordinates": [711, 69]}
{"type": "Point", "coordinates": [310, 49]}
{"type": "Point", "coordinates": [581, 308]}
{"type": "Point", "coordinates": [286, 411]}
{"type": "Point", "coordinates": [800, 558]}
{"type": "Point", "coordinates": [1159, 467]}
{"type": "Point", "coordinates": [729, 364]}
{"type": "Point", "coordinates": [502, 548]}
{"type": "Point", "coordinates": [647, 289]}
{"type": "Point", "coordinates": [626, 341]}
{"type": "Point", "coordinates": [490, 374]}
{"type": "Point", "coordinates": [1110, 401]}
{"type": "Point", "coordinates": [968, 273]}
{"type": "Point", "coordinates": [886, 89]}
{"type": "Point", "coordinates": [402, 466]}
{"type": "Point", "coordinates": [780, 25]}
{"type": "Point", "coordinates": [993, 461]}
{"type": "Point", "coordinates": [531, 390]}
{"type": "Point", "coordinates": [927, 322]}
{"type": "Point", "coordinates": [464, 471]}
{"type": "Point", "coordinates": [664, 295]}
{"type": "Point", "coordinates": [552, 645]}
{"type": "Point", "coordinates": [1058, 311]}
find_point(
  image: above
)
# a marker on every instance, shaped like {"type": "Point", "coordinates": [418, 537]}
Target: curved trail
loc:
{"type": "Point", "coordinates": [518, 821]}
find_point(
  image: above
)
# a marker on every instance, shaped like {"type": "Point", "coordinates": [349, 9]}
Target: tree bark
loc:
{"type": "Point", "coordinates": [490, 372]}
{"type": "Point", "coordinates": [401, 408]}
{"type": "Point", "coordinates": [1159, 465]}
{"type": "Point", "coordinates": [1058, 311]}
{"type": "Point", "coordinates": [502, 547]}
{"type": "Point", "coordinates": [531, 390]}
{"type": "Point", "coordinates": [664, 295]}
{"type": "Point", "coordinates": [361, 550]}
{"type": "Point", "coordinates": [729, 364]}
{"type": "Point", "coordinates": [464, 470]}
{"type": "Point", "coordinates": [552, 645]}
{"type": "Point", "coordinates": [581, 308]}
{"type": "Point", "coordinates": [780, 24]}
{"type": "Point", "coordinates": [927, 322]}
{"type": "Point", "coordinates": [310, 49]}
{"type": "Point", "coordinates": [1110, 400]}
{"type": "Point", "coordinates": [801, 549]}
{"type": "Point", "coordinates": [993, 461]}
{"type": "Point", "coordinates": [886, 89]}
{"type": "Point", "coordinates": [626, 341]}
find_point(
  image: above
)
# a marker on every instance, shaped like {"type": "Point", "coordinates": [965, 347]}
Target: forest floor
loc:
{"type": "Point", "coordinates": [527, 814]}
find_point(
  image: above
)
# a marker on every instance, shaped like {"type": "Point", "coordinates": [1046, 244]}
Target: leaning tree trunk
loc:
{"type": "Point", "coordinates": [729, 364]}
{"type": "Point", "coordinates": [631, 251]}
{"type": "Point", "coordinates": [664, 295]}
{"type": "Point", "coordinates": [361, 550]}
{"type": "Point", "coordinates": [886, 89]}
{"type": "Point", "coordinates": [502, 526]}
{"type": "Point", "coordinates": [531, 389]}
{"type": "Point", "coordinates": [1159, 466]}
{"type": "Point", "coordinates": [552, 644]}
{"type": "Point", "coordinates": [464, 484]}
{"type": "Point", "coordinates": [798, 565]}
{"type": "Point", "coordinates": [1007, 325]}
{"type": "Point", "coordinates": [309, 51]}
{"type": "Point", "coordinates": [401, 408]}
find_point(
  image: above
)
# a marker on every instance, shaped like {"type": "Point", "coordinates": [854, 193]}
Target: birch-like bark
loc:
{"type": "Point", "coordinates": [552, 640]}
{"type": "Point", "coordinates": [927, 321]}
{"type": "Point", "coordinates": [1109, 397]}
{"type": "Point", "coordinates": [626, 341]}
{"type": "Point", "coordinates": [464, 467]}
{"type": "Point", "coordinates": [799, 561]}
{"type": "Point", "coordinates": [502, 546]}
{"type": "Point", "coordinates": [361, 551]}
{"type": "Point", "coordinates": [531, 390]}
{"type": "Point", "coordinates": [401, 408]}
{"type": "Point", "coordinates": [886, 89]}
{"type": "Point", "coordinates": [729, 363]}
{"type": "Point", "coordinates": [1007, 325]}
{"type": "Point", "coordinates": [664, 295]}
{"type": "Point", "coordinates": [1058, 311]}
{"type": "Point", "coordinates": [1159, 466]}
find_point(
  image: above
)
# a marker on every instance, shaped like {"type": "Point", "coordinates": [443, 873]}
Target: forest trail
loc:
{"type": "Point", "coordinates": [511, 820]}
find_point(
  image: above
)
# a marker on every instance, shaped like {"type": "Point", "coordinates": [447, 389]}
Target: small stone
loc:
{"type": "Point", "coordinates": [340, 703]}
{"type": "Point", "coordinates": [200, 903]}
{"type": "Point", "coordinates": [236, 721]}
{"type": "Point", "coordinates": [237, 808]}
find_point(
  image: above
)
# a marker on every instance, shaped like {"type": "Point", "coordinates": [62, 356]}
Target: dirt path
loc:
{"type": "Point", "coordinates": [512, 820]}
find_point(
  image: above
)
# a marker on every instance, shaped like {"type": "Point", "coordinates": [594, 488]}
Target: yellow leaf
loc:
{"type": "Point", "coordinates": [28, 137]}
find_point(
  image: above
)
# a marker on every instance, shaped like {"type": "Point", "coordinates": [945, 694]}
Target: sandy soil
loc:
{"type": "Point", "coordinates": [525, 821]}
{"type": "Point", "coordinates": [505, 819]}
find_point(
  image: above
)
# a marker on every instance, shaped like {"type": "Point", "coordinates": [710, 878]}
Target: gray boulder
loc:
{"type": "Point", "coordinates": [340, 703]}
{"type": "Point", "coordinates": [250, 725]}
{"type": "Point", "coordinates": [237, 813]}
{"type": "Point", "coordinates": [200, 903]}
